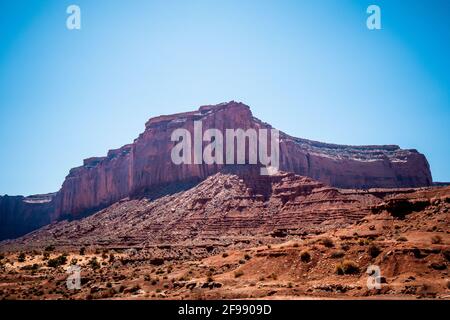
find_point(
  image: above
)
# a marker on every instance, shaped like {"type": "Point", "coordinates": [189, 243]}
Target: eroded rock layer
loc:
{"type": "Point", "coordinates": [145, 165]}
{"type": "Point", "coordinates": [222, 209]}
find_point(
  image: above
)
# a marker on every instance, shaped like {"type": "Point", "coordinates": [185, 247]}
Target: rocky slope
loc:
{"type": "Point", "coordinates": [321, 248]}
{"type": "Point", "coordinates": [145, 165]}
{"type": "Point", "coordinates": [224, 209]}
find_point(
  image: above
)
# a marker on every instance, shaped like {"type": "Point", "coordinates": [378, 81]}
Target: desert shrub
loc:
{"type": "Point", "coordinates": [305, 256]}
{"type": "Point", "coordinates": [224, 255]}
{"type": "Point", "coordinates": [210, 279]}
{"type": "Point", "coordinates": [74, 261]}
{"type": "Point", "coordinates": [273, 276]}
{"type": "Point", "coordinates": [269, 246]}
{"type": "Point", "coordinates": [327, 242]}
{"type": "Point", "coordinates": [58, 261]}
{"type": "Point", "coordinates": [337, 254]}
{"type": "Point", "coordinates": [93, 263]}
{"type": "Point", "coordinates": [247, 257]}
{"type": "Point", "coordinates": [135, 288]}
{"type": "Point", "coordinates": [402, 239]}
{"type": "Point", "coordinates": [436, 239]}
{"type": "Point", "coordinates": [32, 267]}
{"type": "Point", "coordinates": [373, 250]}
{"type": "Point", "coordinates": [161, 271]}
{"type": "Point", "coordinates": [49, 248]}
{"type": "Point", "coordinates": [295, 245]}
{"type": "Point", "coordinates": [238, 273]}
{"type": "Point", "coordinates": [21, 257]}
{"type": "Point", "coordinates": [363, 242]}
{"type": "Point", "coordinates": [261, 278]}
{"type": "Point", "coordinates": [82, 251]}
{"type": "Point", "coordinates": [242, 261]}
{"type": "Point", "coordinates": [345, 246]}
{"type": "Point", "coordinates": [347, 267]}
{"type": "Point", "coordinates": [111, 258]}
{"type": "Point", "coordinates": [45, 256]}
{"type": "Point", "coordinates": [184, 277]}
{"type": "Point", "coordinates": [446, 254]}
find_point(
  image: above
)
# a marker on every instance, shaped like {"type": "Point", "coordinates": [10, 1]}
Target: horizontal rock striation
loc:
{"type": "Point", "coordinates": [145, 165]}
{"type": "Point", "coordinates": [224, 206]}
{"type": "Point", "coordinates": [20, 215]}
{"type": "Point", "coordinates": [139, 167]}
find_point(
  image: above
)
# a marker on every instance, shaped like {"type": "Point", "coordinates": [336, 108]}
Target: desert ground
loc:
{"type": "Point", "coordinates": [411, 249]}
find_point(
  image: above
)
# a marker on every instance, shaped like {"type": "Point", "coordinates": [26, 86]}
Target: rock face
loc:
{"type": "Point", "coordinates": [145, 165]}
{"type": "Point", "coordinates": [20, 215]}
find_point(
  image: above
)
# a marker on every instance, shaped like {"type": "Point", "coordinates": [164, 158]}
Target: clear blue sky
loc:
{"type": "Point", "coordinates": [310, 68]}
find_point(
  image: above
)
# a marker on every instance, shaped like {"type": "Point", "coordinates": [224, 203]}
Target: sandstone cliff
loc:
{"type": "Point", "coordinates": [20, 215]}
{"type": "Point", "coordinates": [145, 165]}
